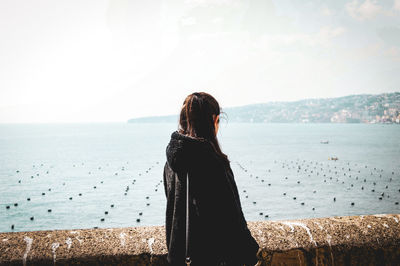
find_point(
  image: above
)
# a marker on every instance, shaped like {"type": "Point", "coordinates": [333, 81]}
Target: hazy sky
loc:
{"type": "Point", "coordinates": [91, 60]}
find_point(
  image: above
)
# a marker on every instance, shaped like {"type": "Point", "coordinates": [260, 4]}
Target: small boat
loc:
{"type": "Point", "coordinates": [324, 141]}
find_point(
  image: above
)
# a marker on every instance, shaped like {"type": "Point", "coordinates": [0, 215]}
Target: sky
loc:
{"type": "Point", "coordinates": [109, 61]}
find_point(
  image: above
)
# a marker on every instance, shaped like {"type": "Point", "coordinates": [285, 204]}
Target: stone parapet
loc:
{"type": "Point", "coordinates": [351, 240]}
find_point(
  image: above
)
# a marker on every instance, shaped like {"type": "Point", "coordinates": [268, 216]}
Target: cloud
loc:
{"type": "Point", "coordinates": [391, 35]}
{"type": "Point", "coordinates": [367, 10]}
{"type": "Point", "coordinates": [396, 5]}
{"type": "Point", "coordinates": [393, 52]}
{"type": "Point", "coordinates": [326, 12]}
{"type": "Point", "coordinates": [322, 37]}
{"type": "Point", "coordinates": [210, 2]}
{"type": "Point", "coordinates": [188, 21]}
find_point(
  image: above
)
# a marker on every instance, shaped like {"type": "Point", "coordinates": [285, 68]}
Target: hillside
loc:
{"type": "Point", "coordinates": [363, 108]}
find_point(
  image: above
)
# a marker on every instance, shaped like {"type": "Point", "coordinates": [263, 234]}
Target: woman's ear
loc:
{"type": "Point", "coordinates": [216, 119]}
{"type": "Point", "coordinates": [216, 123]}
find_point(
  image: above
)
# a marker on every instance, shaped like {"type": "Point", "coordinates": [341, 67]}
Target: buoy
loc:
{"type": "Point", "coordinates": [112, 205]}
{"type": "Point", "coordinates": [32, 218]}
{"type": "Point", "coordinates": [102, 219]}
{"type": "Point", "coordinates": [7, 207]}
{"type": "Point", "coordinates": [28, 199]}
{"type": "Point", "coordinates": [12, 227]}
{"type": "Point", "coordinates": [106, 212]}
{"type": "Point", "coordinates": [138, 220]}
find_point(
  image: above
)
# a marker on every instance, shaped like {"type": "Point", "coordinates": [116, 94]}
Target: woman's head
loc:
{"type": "Point", "coordinates": [198, 114]}
{"type": "Point", "coordinates": [199, 118]}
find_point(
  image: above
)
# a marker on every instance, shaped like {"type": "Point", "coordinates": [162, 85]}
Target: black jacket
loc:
{"type": "Point", "coordinates": [217, 227]}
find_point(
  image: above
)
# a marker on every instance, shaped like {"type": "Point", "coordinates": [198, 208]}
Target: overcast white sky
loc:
{"type": "Point", "coordinates": [79, 61]}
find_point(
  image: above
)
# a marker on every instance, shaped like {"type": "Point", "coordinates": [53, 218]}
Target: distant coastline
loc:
{"type": "Point", "coordinates": [363, 108]}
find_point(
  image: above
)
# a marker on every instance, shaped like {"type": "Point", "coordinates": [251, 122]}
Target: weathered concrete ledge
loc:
{"type": "Point", "coordinates": [352, 240]}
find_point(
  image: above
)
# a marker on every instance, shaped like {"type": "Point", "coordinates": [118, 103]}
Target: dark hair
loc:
{"type": "Point", "coordinates": [196, 119]}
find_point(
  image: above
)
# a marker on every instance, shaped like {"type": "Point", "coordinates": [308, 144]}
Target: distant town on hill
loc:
{"type": "Point", "coordinates": [363, 108]}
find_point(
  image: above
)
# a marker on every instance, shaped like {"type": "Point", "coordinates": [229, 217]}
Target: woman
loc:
{"type": "Point", "coordinates": [217, 228]}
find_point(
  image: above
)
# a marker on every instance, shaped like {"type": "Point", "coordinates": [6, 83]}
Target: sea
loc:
{"type": "Point", "coordinates": [107, 175]}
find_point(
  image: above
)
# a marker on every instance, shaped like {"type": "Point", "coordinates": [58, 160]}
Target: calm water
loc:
{"type": "Point", "coordinates": [79, 170]}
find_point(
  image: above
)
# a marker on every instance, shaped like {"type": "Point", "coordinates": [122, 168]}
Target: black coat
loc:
{"type": "Point", "coordinates": [217, 227]}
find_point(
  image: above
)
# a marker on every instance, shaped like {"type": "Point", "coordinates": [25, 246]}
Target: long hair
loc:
{"type": "Point", "coordinates": [197, 119]}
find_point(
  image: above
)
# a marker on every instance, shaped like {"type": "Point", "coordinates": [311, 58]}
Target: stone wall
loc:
{"type": "Point", "coordinates": [352, 240]}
